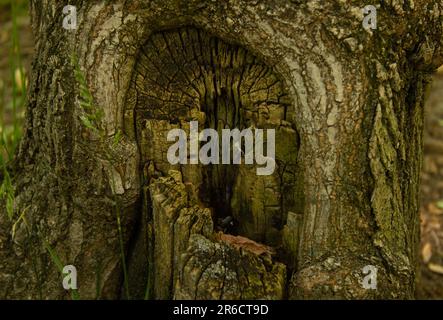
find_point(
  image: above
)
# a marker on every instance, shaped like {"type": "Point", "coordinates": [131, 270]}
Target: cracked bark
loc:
{"type": "Point", "coordinates": [349, 104]}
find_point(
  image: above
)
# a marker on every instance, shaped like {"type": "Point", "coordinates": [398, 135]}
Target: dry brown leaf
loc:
{"type": "Point", "coordinates": [426, 252]}
{"type": "Point", "coordinates": [435, 268]}
{"type": "Point", "coordinates": [247, 244]}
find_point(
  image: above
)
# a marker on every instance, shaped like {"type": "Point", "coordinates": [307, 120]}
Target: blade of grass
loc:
{"type": "Point", "coordinates": [98, 280]}
{"type": "Point", "coordinates": [92, 119]}
{"type": "Point", "coordinates": [9, 139]}
{"type": "Point", "coordinates": [2, 104]}
{"type": "Point", "coordinates": [56, 260]}
{"type": "Point", "coordinates": [122, 253]}
{"type": "Point", "coordinates": [14, 51]}
{"type": "Point", "coordinates": [17, 65]}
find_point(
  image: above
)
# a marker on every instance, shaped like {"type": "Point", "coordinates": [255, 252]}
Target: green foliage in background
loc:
{"type": "Point", "coordinates": [12, 101]}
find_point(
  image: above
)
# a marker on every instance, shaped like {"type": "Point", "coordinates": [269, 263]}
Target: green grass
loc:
{"type": "Point", "coordinates": [21, 5]}
{"type": "Point", "coordinates": [13, 93]}
{"type": "Point", "coordinates": [58, 263]}
{"type": "Point", "coordinates": [12, 103]}
{"type": "Point", "coordinates": [92, 118]}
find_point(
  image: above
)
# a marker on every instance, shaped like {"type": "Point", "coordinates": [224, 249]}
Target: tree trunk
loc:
{"type": "Point", "coordinates": [347, 108]}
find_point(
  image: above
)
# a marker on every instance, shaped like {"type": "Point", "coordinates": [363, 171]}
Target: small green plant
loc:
{"type": "Point", "coordinates": [92, 118]}
{"type": "Point", "coordinates": [7, 192]}
{"type": "Point", "coordinates": [11, 108]}
{"type": "Point", "coordinates": [58, 263]}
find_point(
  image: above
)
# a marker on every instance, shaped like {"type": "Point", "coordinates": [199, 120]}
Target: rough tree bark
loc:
{"type": "Point", "coordinates": [347, 105]}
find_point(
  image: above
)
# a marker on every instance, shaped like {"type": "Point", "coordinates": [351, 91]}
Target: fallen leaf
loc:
{"type": "Point", "coordinates": [426, 252]}
{"type": "Point", "coordinates": [435, 268]}
{"type": "Point", "coordinates": [247, 244]}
